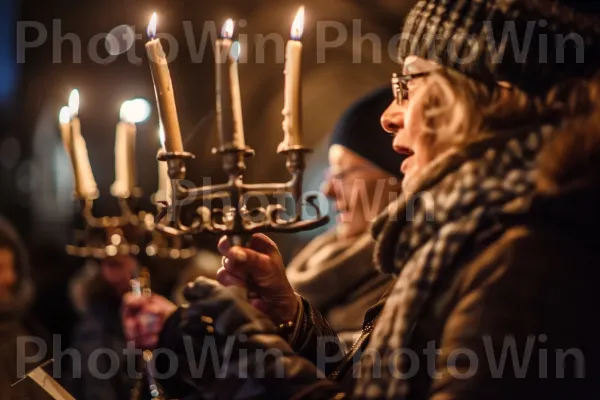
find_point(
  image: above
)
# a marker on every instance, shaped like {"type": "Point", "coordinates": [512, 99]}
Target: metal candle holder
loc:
{"type": "Point", "coordinates": [130, 233]}
{"type": "Point", "coordinates": [238, 223]}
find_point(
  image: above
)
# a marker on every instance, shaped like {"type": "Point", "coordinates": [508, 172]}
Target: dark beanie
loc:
{"type": "Point", "coordinates": [359, 129]}
{"type": "Point", "coordinates": [532, 44]}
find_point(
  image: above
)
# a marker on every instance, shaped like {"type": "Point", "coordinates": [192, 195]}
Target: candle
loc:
{"type": "Point", "coordinates": [64, 119]}
{"type": "Point", "coordinates": [125, 175]}
{"type": "Point", "coordinates": [164, 182]}
{"type": "Point", "coordinates": [228, 99]}
{"type": "Point", "coordinates": [292, 110]}
{"type": "Point", "coordinates": [163, 88]}
{"type": "Point", "coordinates": [84, 182]}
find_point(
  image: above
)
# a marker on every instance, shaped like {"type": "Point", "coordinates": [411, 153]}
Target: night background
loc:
{"type": "Point", "coordinates": [36, 179]}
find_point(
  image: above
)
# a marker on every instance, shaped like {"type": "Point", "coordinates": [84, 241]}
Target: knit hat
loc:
{"type": "Point", "coordinates": [532, 44]}
{"type": "Point", "coordinates": [359, 129]}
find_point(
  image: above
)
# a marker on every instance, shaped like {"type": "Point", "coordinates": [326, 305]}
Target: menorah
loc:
{"type": "Point", "coordinates": [132, 232]}
{"type": "Point", "coordinates": [235, 219]}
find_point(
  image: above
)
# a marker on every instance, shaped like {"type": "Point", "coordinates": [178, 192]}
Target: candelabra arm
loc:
{"type": "Point", "coordinates": [234, 218]}
{"type": "Point", "coordinates": [267, 188]}
{"type": "Point", "coordinates": [204, 192]}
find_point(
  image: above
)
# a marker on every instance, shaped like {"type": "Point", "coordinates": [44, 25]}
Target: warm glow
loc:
{"type": "Point", "coordinates": [74, 103]}
{"type": "Point", "coordinates": [161, 135]}
{"type": "Point", "coordinates": [65, 115]}
{"type": "Point", "coordinates": [152, 26]}
{"type": "Point", "coordinates": [298, 25]}
{"type": "Point", "coordinates": [227, 31]}
{"type": "Point", "coordinates": [135, 111]}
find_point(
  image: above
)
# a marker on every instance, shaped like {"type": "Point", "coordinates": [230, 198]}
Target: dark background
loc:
{"type": "Point", "coordinates": [35, 174]}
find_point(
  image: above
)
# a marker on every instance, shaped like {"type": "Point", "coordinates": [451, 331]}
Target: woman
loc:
{"type": "Point", "coordinates": [495, 275]}
{"type": "Point", "coordinates": [335, 271]}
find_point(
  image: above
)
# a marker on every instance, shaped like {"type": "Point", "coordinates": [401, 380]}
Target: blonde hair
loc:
{"type": "Point", "coordinates": [458, 110]}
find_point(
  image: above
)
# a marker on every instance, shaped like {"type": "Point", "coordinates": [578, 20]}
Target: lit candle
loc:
{"type": "Point", "coordinates": [84, 182]}
{"type": "Point", "coordinates": [163, 88]}
{"type": "Point", "coordinates": [64, 119]}
{"type": "Point", "coordinates": [292, 110]}
{"type": "Point", "coordinates": [125, 175]}
{"type": "Point", "coordinates": [230, 123]}
{"type": "Point", "coordinates": [164, 182]}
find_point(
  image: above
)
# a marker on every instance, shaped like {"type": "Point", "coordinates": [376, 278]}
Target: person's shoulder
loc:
{"type": "Point", "coordinates": [535, 259]}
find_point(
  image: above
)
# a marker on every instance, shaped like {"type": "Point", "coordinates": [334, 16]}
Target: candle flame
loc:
{"type": "Point", "coordinates": [161, 135]}
{"type": "Point", "coordinates": [74, 103]}
{"type": "Point", "coordinates": [298, 25]}
{"type": "Point", "coordinates": [65, 115]}
{"type": "Point", "coordinates": [227, 30]}
{"type": "Point", "coordinates": [152, 26]}
{"type": "Point", "coordinates": [135, 111]}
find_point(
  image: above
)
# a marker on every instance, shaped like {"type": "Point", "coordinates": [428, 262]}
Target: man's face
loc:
{"type": "Point", "coordinates": [8, 275]}
{"type": "Point", "coordinates": [360, 190]}
{"type": "Point", "coordinates": [118, 272]}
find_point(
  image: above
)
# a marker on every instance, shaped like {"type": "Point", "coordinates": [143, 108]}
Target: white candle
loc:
{"type": "Point", "coordinates": [84, 182]}
{"type": "Point", "coordinates": [228, 99]}
{"type": "Point", "coordinates": [88, 188]}
{"type": "Point", "coordinates": [292, 110]}
{"type": "Point", "coordinates": [164, 192]}
{"type": "Point", "coordinates": [125, 174]}
{"type": "Point", "coordinates": [64, 119]}
{"type": "Point", "coordinates": [239, 140]}
{"type": "Point", "coordinates": [163, 88]}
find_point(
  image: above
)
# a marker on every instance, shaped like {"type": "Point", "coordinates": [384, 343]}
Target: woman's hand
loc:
{"type": "Point", "coordinates": [144, 317]}
{"type": "Point", "coordinates": [259, 268]}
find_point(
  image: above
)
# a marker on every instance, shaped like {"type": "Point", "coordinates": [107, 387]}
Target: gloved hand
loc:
{"type": "Point", "coordinates": [253, 360]}
{"type": "Point", "coordinates": [260, 268]}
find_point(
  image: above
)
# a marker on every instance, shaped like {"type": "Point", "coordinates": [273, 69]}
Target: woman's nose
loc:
{"type": "Point", "coordinates": [392, 119]}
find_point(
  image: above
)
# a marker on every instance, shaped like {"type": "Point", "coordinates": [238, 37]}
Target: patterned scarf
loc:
{"type": "Point", "coordinates": [461, 201]}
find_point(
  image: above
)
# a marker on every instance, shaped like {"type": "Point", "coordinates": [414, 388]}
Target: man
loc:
{"type": "Point", "coordinates": [335, 271]}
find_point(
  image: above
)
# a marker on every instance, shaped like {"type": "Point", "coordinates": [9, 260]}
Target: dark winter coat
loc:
{"type": "Point", "coordinates": [511, 317]}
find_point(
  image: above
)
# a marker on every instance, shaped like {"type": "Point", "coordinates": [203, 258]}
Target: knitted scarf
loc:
{"type": "Point", "coordinates": [460, 201]}
{"type": "Point", "coordinates": [328, 268]}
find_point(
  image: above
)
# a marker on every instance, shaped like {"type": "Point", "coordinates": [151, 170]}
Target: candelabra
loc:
{"type": "Point", "coordinates": [234, 219]}
{"type": "Point", "coordinates": [130, 233]}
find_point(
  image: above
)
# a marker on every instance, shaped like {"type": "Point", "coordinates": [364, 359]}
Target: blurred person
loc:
{"type": "Point", "coordinates": [16, 296]}
{"type": "Point", "coordinates": [494, 243]}
{"type": "Point", "coordinates": [335, 271]}
{"type": "Point", "coordinates": [96, 293]}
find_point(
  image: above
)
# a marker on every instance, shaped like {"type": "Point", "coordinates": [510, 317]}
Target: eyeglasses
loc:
{"type": "Point", "coordinates": [400, 84]}
{"type": "Point", "coordinates": [342, 174]}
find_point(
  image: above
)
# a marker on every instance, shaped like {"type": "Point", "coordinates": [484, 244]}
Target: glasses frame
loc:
{"type": "Point", "coordinates": [400, 84]}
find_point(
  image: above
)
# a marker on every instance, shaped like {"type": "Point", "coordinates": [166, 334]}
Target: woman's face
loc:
{"type": "Point", "coordinates": [405, 122]}
{"type": "Point", "coordinates": [359, 189]}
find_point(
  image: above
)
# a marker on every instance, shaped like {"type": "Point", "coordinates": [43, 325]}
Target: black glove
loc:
{"type": "Point", "coordinates": [253, 361]}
